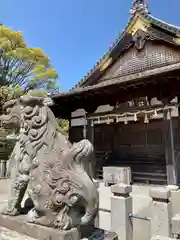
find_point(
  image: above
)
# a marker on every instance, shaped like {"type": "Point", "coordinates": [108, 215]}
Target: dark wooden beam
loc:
{"type": "Point", "coordinates": [90, 137]}
{"type": "Point", "coordinates": [159, 86]}
{"type": "Point", "coordinates": [169, 149]}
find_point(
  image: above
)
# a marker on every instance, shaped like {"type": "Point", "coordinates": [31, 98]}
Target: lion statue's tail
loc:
{"type": "Point", "coordinates": [82, 151]}
{"type": "Point", "coordinates": [81, 197]}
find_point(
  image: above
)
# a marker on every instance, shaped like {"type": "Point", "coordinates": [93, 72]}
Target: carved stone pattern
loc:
{"type": "Point", "coordinates": [152, 56]}
{"type": "Point", "coordinates": [53, 169]}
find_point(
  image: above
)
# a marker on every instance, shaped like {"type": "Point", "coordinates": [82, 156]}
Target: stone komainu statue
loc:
{"type": "Point", "coordinates": [12, 121]}
{"type": "Point", "coordinates": [49, 167]}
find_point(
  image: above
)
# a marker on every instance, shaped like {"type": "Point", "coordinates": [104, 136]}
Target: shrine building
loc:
{"type": "Point", "coordinates": [128, 104]}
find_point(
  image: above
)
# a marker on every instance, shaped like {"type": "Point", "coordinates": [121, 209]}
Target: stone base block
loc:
{"type": "Point", "coordinates": [161, 238]}
{"type": "Point", "coordinates": [114, 175]}
{"type": "Point", "coordinates": [160, 193]}
{"type": "Point", "coordinates": [176, 224]}
{"type": "Point", "coordinates": [175, 196]}
{"type": "Point", "coordinates": [121, 189]}
{"type": "Point", "coordinates": [173, 187]}
{"type": "Point", "coordinates": [19, 224]}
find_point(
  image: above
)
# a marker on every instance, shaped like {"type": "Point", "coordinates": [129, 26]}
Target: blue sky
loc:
{"type": "Point", "coordinates": [76, 33]}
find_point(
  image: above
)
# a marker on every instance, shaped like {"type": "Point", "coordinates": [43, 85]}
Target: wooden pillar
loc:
{"type": "Point", "coordinates": [85, 127]}
{"type": "Point", "coordinates": [69, 130]}
{"type": "Point", "coordinates": [90, 131]}
{"type": "Point", "coordinates": [90, 137]}
{"type": "Point", "coordinates": [169, 149]}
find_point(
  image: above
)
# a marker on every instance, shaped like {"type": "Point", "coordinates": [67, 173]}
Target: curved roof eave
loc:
{"type": "Point", "coordinates": [146, 16]}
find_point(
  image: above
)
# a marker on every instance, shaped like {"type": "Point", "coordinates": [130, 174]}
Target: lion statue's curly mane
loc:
{"type": "Point", "coordinates": [51, 168]}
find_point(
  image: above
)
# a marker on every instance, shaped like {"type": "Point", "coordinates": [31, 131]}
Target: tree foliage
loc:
{"type": "Point", "coordinates": [22, 70]}
{"type": "Point", "coordinates": [23, 67]}
{"type": "Point", "coordinates": [64, 125]}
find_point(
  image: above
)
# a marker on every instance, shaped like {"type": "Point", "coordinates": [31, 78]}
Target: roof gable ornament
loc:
{"type": "Point", "coordinates": [140, 39]}
{"type": "Point", "coordinates": [139, 6]}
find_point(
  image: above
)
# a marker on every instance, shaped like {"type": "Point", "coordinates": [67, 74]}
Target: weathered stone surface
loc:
{"type": "Point", "coordinates": [161, 238]}
{"type": "Point", "coordinates": [176, 224]}
{"type": "Point", "coordinates": [18, 228]}
{"type": "Point", "coordinates": [121, 188]}
{"type": "Point", "coordinates": [175, 198]}
{"type": "Point", "coordinates": [7, 234]}
{"type": "Point", "coordinates": [96, 182]}
{"type": "Point", "coordinates": [173, 187]}
{"type": "Point", "coordinates": [160, 193]}
{"type": "Point", "coordinates": [50, 168]}
{"type": "Point", "coordinates": [121, 209]}
{"type": "Point", "coordinates": [20, 225]}
{"type": "Point", "coordinates": [14, 123]}
{"type": "Point", "coordinates": [115, 175]}
{"type": "Point", "coordinates": [161, 212]}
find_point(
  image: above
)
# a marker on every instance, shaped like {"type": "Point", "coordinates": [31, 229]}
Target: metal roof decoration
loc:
{"type": "Point", "coordinates": [139, 5]}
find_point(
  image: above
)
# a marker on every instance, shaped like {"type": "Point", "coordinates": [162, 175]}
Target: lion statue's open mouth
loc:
{"type": "Point", "coordinates": [11, 119]}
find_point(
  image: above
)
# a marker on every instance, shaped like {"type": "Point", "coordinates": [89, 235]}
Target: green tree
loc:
{"type": "Point", "coordinates": [20, 65]}
{"type": "Point", "coordinates": [22, 68]}
{"type": "Point", "coordinates": [64, 125]}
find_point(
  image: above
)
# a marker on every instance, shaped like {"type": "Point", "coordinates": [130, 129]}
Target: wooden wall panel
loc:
{"type": "Point", "coordinates": [138, 145]}
{"type": "Point", "coordinates": [139, 135]}
{"type": "Point", "coordinates": [76, 133]}
{"type": "Point", "coordinates": [104, 137]}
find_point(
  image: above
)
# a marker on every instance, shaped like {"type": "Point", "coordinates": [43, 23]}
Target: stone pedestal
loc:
{"type": "Point", "coordinates": [121, 209]}
{"type": "Point", "coordinates": [175, 198]}
{"type": "Point", "coordinates": [176, 226]}
{"type": "Point", "coordinates": [96, 221]}
{"type": "Point", "coordinates": [19, 224]}
{"type": "Point", "coordinates": [161, 238]}
{"type": "Point", "coordinates": [161, 212]}
{"type": "Point", "coordinates": [116, 175]}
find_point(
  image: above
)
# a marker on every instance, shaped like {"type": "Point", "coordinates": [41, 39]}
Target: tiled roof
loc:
{"type": "Point", "coordinates": [153, 20]}
{"type": "Point", "coordinates": [116, 80]}
{"type": "Point", "coordinates": [162, 24]}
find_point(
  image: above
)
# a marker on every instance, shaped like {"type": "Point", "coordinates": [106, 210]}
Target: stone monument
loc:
{"type": "Point", "coordinates": [50, 168]}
